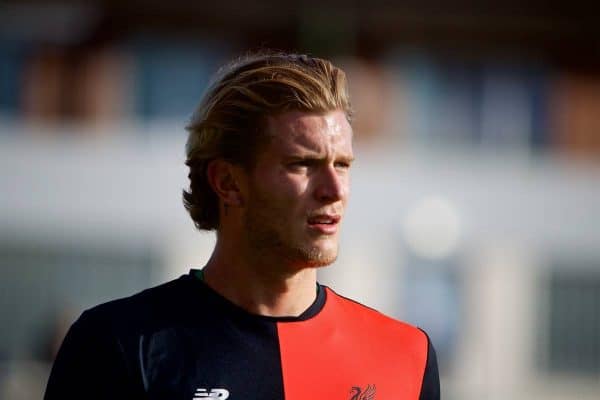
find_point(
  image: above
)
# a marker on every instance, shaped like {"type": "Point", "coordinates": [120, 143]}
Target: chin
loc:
{"type": "Point", "coordinates": [323, 262]}
{"type": "Point", "coordinates": [318, 256]}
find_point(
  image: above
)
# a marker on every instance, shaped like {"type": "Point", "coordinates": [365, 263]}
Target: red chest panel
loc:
{"type": "Point", "coordinates": [346, 346]}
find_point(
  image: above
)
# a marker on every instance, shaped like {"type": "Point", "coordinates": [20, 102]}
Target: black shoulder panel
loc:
{"type": "Point", "coordinates": [430, 388]}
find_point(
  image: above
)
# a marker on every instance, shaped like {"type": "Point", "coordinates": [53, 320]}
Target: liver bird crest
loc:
{"type": "Point", "coordinates": [358, 394]}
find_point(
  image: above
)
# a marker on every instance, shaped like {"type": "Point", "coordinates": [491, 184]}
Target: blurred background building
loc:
{"type": "Point", "coordinates": [476, 192]}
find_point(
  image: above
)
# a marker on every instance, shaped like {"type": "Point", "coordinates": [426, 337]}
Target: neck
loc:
{"type": "Point", "coordinates": [258, 284]}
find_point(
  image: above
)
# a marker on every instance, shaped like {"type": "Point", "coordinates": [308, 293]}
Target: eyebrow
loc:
{"type": "Point", "coordinates": [317, 157]}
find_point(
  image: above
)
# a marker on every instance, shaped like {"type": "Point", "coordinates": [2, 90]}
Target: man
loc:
{"type": "Point", "coordinates": [269, 153]}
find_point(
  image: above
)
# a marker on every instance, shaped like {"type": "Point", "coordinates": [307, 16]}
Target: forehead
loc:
{"type": "Point", "coordinates": [317, 132]}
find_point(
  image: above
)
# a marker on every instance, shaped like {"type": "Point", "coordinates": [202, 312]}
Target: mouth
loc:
{"type": "Point", "coordinates": [324, 223]}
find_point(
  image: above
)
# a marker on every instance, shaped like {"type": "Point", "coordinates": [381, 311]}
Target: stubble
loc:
{"type": "Point", "coordinates": [270, 234]}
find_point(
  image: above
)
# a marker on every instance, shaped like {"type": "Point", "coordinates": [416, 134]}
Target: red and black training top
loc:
{"type": "Point", "coordinates": [182, 340]}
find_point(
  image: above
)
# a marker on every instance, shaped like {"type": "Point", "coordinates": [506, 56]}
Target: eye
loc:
{"type": "Point", "coordinates": [299, 165]}
{"type": "Point", "coordinates": [303, 163]}
{"type": "Point", "coordinates": [342, 165]}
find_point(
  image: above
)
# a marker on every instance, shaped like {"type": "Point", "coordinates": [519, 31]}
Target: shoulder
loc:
{"type": "Point", "coordinates": [377, 324]}
{"type": "Point", "coordinates": [139, 311]}
{"type": "Point", "coordinates": [406, 346]}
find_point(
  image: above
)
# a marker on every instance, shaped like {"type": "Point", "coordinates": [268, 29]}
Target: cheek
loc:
{"type": "Point", "coordinates": [347, 188]}
{"type": "Point", "coordinates": [280, 191]}
{"type": "Point", "coordinates": [291, 186]}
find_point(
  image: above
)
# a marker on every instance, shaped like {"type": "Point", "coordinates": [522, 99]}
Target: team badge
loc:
{"type": "Point", "coordinates": [359, 394]}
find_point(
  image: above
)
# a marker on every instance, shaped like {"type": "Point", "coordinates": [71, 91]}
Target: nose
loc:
{"type": "Point", "coordinates": [332, 185]}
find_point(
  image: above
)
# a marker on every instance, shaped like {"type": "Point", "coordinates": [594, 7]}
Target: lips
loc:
{"type": "Point", "coordinates": [324, 219]}
{"type": "Point", "coordinates": [324, 223]}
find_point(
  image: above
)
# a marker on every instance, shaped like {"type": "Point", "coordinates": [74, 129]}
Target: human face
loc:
{"type": "Point", "coordinates": [299, 187]}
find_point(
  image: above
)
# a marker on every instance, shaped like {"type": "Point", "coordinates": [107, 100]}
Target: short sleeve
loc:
{"type": "Point", "coordinates": [430, 387]}
{"type": "Point", "coordinates": [89, 365]}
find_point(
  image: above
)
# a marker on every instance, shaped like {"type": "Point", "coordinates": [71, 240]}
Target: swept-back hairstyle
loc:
{"type": "Point", "coordinates": [229, 121]}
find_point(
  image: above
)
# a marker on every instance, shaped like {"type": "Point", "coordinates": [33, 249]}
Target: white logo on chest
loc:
{"type": "Point", "coordinates": [212, 394]}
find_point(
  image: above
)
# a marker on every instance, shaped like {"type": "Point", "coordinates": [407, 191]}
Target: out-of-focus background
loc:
{"type": "Point", "coordinates": [476, 192]}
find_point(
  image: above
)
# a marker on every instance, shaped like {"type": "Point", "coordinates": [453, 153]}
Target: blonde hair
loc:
{"type": "Point", "coordinates": [229, 122]}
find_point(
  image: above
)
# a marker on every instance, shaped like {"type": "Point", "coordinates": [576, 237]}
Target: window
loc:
{"type": "Point", "coordinates": [572, 342]}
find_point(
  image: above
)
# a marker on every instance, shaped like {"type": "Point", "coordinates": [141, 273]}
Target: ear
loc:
{"type": "Point", "coordinates": [225, 180]}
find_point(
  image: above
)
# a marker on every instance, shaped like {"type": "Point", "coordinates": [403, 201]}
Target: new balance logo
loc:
{"type": "Point", "coordinates": [212, 394]}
